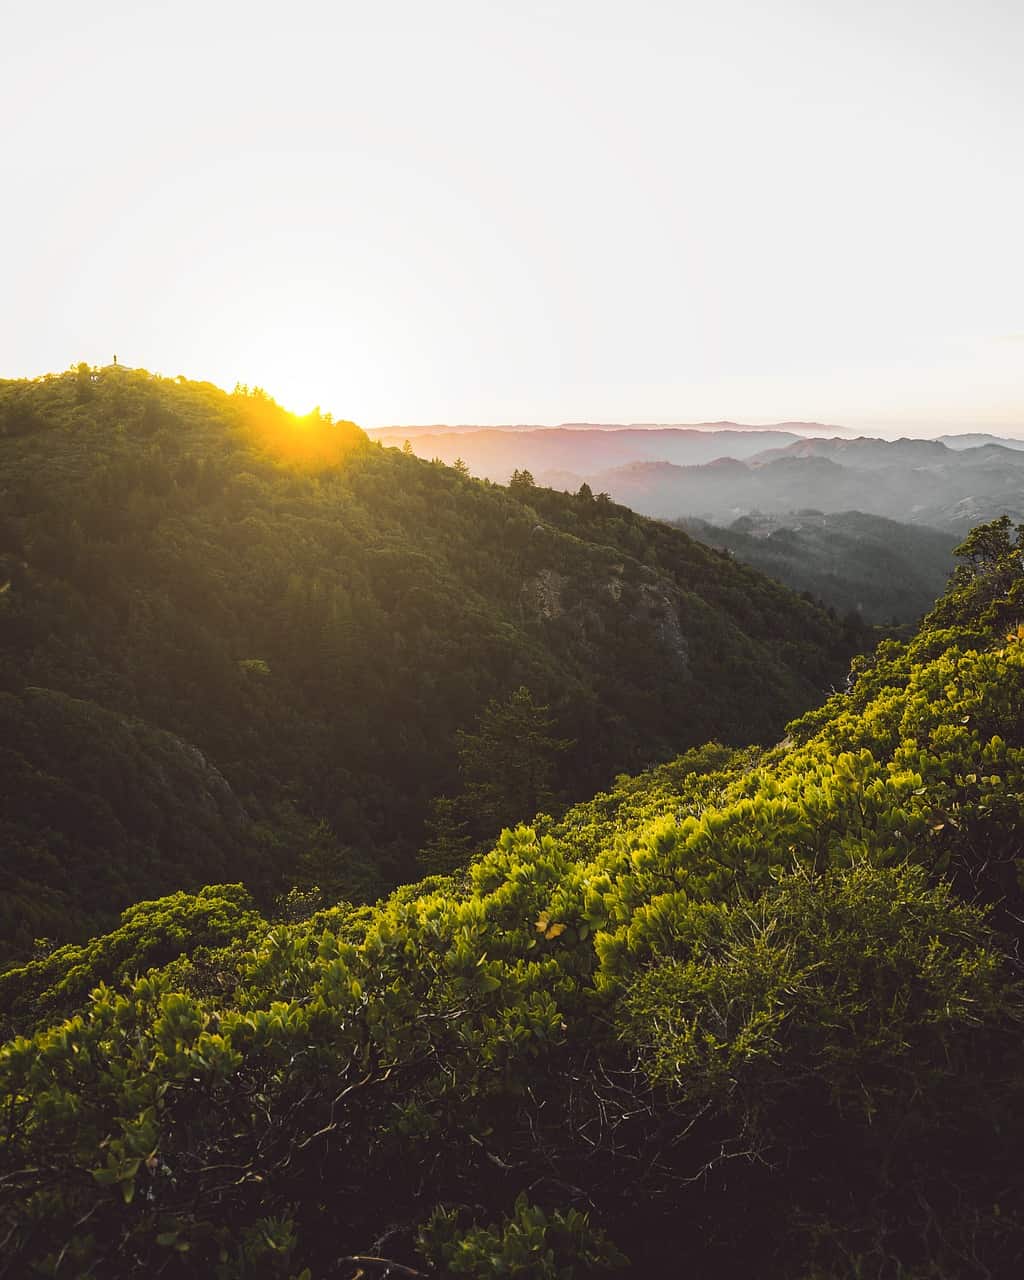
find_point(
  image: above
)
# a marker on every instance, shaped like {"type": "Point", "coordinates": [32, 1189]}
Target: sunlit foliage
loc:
{"type": "Point", "coordinates": [312, 442]}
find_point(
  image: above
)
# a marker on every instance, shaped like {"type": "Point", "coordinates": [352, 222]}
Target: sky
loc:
{"type": "Point", "coordinates": [526, 211]}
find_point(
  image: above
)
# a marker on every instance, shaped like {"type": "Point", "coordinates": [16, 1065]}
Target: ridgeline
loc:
{"type": "Point", "coordinates": [240, 645]}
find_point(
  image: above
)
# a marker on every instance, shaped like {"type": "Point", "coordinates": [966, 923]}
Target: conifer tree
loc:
{"type": "Point", "coordinates": [521, 480]}
{"type": "Point", "coordinates": [448, 843]}
{"type": "Point", "coordinates": [510, 764]}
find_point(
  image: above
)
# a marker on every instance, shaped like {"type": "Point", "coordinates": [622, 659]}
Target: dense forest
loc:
{"type": "Point", "coordinates": [237, 645]}
{"type": "Point", "coordinates": [749, 1012]}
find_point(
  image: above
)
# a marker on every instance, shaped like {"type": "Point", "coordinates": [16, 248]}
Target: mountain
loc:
{"type": "Point", "coordinates": [920, 481]}
{"type": "Point", "coordinates": [752, 1012]}
{"type": "Point", "coordinates": [972, 439]}
{"type": "Point", "coordinates": [884, 570]}
{"type": "Point", "coordinates": [866, 452]}
{"type": "Point", "coordinates": [284, 641]}
{"type": "Point", "coordinates": [495, 453]}
{"type": "Point", "coordinates": [397, 435]}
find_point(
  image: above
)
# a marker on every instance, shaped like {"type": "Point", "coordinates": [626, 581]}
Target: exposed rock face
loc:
{"type": "Point", "coordinates": [546, 590]}
{"type": "Point", "coordinates": [617, 600]}
{"type": "Point", "coordinates": [210, 790]}
{"type": "Point", "coordinates": [664, 606]}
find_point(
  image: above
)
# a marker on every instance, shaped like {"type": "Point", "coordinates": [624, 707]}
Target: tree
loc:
{"type": "Point", "coordinates": [521, 480]}
{"type": "Point", "coordinates": [986, 547]}
{"type": "Point", "coordinates": [84, 390]}
{"type": "Point", "coordinates": [509, 765]}
{"type": "Point", "coordinates": [990, 570]}
{"type": "Point", "coordinates": [448, 843]}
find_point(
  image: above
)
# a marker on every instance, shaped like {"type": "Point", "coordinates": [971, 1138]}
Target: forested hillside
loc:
{"type": "Point", "coordinates": [753, 1012]}
{"type": "Point", "coordinates": [885, 570]}
{"type": "Point", "coordinates": [239, 644]}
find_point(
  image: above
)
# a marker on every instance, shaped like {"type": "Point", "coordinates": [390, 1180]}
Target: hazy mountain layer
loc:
{"type": "Point", "coordinates": [884, 570]}
{"type": "Point", "coordinates": [919, 481]}
{"type": "Point", "coordinates": [971, 439]}
{"type": "Point", "coordinates": [495, 454]}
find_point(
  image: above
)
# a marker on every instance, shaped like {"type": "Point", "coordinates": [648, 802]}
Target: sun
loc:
{"type": "Point", "coordinates": [302, 368]}
{"type": "Point", "coordinates": [312, 441]}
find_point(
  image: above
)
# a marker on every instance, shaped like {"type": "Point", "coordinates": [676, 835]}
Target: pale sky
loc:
{"type": "Point", "coordinates": [523, 211]}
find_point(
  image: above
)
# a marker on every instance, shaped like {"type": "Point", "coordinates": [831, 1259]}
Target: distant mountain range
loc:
{"type": "Point", "coordinates": [919, 481]}
{"type": "Point", "coordinates": [397, 434]}
{"type": "Point", "coordinates": [720, 472]}
{"type": "Point", "coordinates": [493, 453]}
{"type": "Point", "coordinates": [970, 439]}
{"type": "Point", "coordinates": [720, 475]}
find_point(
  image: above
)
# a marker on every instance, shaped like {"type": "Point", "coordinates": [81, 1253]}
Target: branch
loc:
{"type": "Point", "coordinates": [384, 1265]}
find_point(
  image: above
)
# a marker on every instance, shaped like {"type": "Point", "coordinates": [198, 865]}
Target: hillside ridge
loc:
{"type": "Point", "coordinates": [322, 617]}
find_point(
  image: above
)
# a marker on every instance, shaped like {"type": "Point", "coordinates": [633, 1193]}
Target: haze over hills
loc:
{"type": "Point", "coordinates": [397, 434]}
{"type": "Point", "coordinates": [494, 454]}
{"type": "Point", "coordinates": [972, 439]}
{"type": "Point", "coordinates": [860, 555]}
{"type": "Point", "coordinates": [923, 482]}
{"type": "Point", "coordinates": [862, 451]}
{"type": "Point", "coordinates": [885, 570]}
{"type": "Point", "coordinates": [719, 473]}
